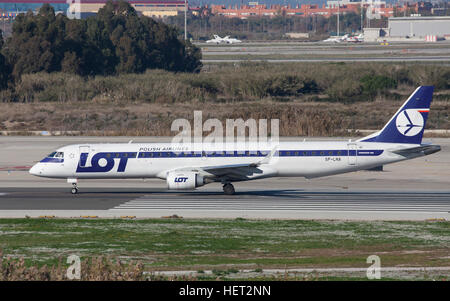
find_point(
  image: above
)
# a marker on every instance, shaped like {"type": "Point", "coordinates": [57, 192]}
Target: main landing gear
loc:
{"type": "Point", "coordinates": [228, 189]}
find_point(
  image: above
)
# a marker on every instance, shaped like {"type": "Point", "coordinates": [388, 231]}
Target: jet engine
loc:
{"type": "Point", "coordinates": [184, 180]}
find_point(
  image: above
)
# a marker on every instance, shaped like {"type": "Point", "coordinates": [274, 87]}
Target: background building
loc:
{"type": "Point", "coordinates": [419, 27]}
{"type": "Point", "coordinates": [145, 7]}
{"type": "Point", "coordinates": [161, 8]}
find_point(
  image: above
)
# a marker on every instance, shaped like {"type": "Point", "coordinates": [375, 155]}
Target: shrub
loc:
{"type": "Point", "coordinates": [371, 85]}
{"type": "Point", "coordinates": [344, 91]}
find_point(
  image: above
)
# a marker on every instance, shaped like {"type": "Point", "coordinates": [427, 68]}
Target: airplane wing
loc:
{"type": "Point", "coordinates": [232, 172]}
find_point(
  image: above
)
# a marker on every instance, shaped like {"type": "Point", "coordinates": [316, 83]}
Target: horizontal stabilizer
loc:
{"type": "Point", "coordinates": [419, 151]}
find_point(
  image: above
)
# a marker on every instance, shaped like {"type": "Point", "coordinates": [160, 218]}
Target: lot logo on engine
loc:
{"type": "Point", "coordinates": [180, 180]}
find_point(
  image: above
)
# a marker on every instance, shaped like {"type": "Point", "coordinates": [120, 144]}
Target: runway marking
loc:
{"type": "Point", "coordinates": [300, 202]}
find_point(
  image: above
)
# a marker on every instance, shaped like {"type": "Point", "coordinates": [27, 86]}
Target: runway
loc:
{"type": "Point", "coordinates": [336, 60]}
{"type": "Point", "coordinates": [287, 204]}
{"type": "Point", "coordinates": [323, 52]}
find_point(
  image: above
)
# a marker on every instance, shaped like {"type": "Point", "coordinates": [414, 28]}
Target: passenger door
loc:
{"type": "Point", "coordinates": [352, 154]}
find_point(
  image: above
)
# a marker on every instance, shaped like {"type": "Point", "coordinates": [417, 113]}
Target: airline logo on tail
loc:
{"type": "Point", "coordinates": [410, 122]}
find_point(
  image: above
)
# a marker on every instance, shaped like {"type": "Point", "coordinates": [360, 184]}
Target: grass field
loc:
{"type": "Point", "coordinates": [224, 246]}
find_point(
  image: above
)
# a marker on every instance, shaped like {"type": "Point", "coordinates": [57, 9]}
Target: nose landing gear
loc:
{"type": "Point", "coordinates": [74, 189]}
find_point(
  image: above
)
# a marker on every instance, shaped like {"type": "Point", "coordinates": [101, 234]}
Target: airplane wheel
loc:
{"type": "Point", "coordinates": [74, 190]}
{"type": "Point", "coordinates": [228, 189]}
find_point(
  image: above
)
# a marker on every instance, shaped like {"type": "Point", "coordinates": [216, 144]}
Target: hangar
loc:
{"type": "Point", "coordinates": [419, 27]}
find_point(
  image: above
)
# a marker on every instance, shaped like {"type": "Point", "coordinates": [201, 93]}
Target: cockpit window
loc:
{"type": "Point", "coordinates": [59, 155]}
{"type": "Point", "coordinates": [52, 155]}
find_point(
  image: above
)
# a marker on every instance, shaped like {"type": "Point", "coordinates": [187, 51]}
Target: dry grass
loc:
{"type": "Point", "coordinates": [96, 269]}
{"type": "Point", "coordinates": [154, 119]}
{"type": "Point", "coordinates": [312, 99]}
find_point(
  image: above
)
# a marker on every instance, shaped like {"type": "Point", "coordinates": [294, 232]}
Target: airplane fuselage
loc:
{"type": "Point", "coordinates": [155, 160]}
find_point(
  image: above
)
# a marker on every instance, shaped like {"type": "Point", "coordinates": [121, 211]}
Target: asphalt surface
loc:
{"type": "Point", "coordinates": [327, 52]}
{"type": "Point", "coordinates": [293, 203]}
{"type": "Point", "coordinates": [333, 59]}
{"type": "Point", "coordinates": [120, 198]}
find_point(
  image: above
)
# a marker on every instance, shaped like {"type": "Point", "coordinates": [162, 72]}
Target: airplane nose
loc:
{"type": "Point", "coordinates": [36, 170]}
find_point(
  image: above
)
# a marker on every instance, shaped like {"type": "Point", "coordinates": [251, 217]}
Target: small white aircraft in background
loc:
{"type": "Point", "coordinates": [338, 39]}
{"type": "Point", "coordinates": [229, 40]}
{"type": "Point", "coordinates": [356, 39]}
{"type": "Point", "coordinates": [216, 40]}
{"type": "Point", "coordinates": [226, 40]}
{"type": "Point", "coordinates": [190, 166]}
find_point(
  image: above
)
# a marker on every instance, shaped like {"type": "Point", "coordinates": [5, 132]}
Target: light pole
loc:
{"type": "Point", "coordinates": [362, 9]}
{"type": "Point", "coordinates": [185, 20]}
{"type": "Point", "coordinates": [338, 18]}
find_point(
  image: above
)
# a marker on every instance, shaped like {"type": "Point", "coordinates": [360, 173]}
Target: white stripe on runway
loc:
{"type": "Point", "coordinates": [300, 202]}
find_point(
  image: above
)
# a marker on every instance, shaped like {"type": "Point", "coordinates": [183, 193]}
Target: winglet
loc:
{"type": "Point", "coordinates": [269, 156]}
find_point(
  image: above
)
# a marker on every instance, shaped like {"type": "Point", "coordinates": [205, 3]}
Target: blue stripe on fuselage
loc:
{"type": "Point", "coordinates": [281, 153]}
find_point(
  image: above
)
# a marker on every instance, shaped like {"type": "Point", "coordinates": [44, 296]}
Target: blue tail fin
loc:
{"type": "Point", "coordinates": [408, 124]}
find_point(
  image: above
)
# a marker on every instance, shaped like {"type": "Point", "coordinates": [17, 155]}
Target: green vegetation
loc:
{"type": "Point", "coordinates": [373, 84]}
{"type": "Point", "coordinates": [244, 82]}
{"type": "Point", "coordinates": [201, 245]}
{"type": "Point", "coordinates": [4, 68]}
{"type": "Point", "coordinates": [115, 41]}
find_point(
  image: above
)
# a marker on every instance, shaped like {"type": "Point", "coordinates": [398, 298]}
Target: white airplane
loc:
{"type": "Point", "coordinates": [356, 39]}
{"type": "Point", "coordinates": [226, 40]}
{"type": "Point", "coordinates": [338, 39]}
{"type": "Point", "coordinates": [182, 167]}
{"type": "Point", "coordinates": [216, 40]}
{"type": "Point", "coordinates": [229, 40]}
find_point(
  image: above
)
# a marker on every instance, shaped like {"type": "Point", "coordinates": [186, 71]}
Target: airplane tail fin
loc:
{"type": "Point", "coordinates": [408, 123]}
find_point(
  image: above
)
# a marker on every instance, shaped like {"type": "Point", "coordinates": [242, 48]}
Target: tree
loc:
{"type": "Point", "coordinates": [114, 41]}
{"type": "Point", "coordinates": [36, 44]}
{"type": "Point", "coordinates": [4, 68]}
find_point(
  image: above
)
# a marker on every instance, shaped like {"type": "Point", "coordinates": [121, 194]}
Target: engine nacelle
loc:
{"type": "Point", "coordinates": [184, 180]}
